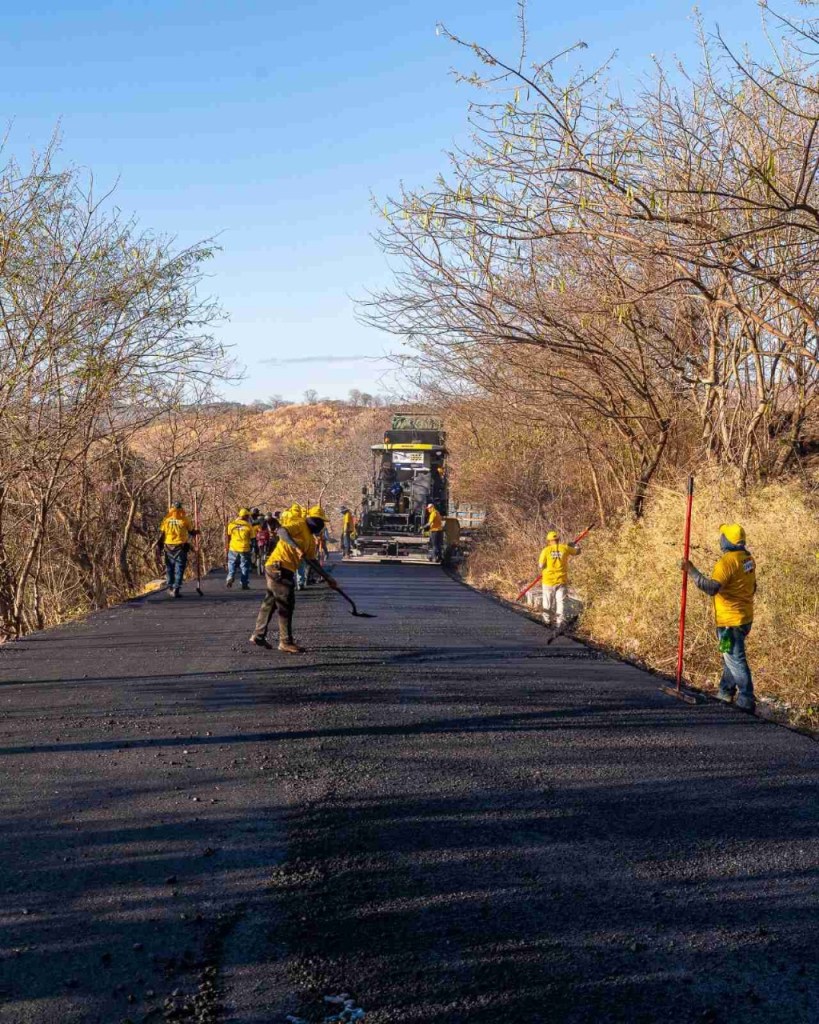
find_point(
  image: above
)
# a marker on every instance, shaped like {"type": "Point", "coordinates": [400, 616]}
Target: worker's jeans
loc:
{"type": "Point", "coordinates": [242, 560]}
{"type": "Point", "coordinates": [176, 558]}
{"type": "Point", "coordinates": [346, 544]}
{"type": "Point", "coordinates": [554, 604]}
{"type": "Point", "coordinates": [279, 597]}
{"type": "Point", "coordinates": [436, 545]}
{"type": "Point", "coordinates": [736, 673]}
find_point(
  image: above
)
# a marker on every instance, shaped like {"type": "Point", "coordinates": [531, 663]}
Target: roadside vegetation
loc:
{"type": "Point", "coordinates": [608, 287]}
{"type": "Point", "coordinates": [106, 343]}
{"type": "Point", "coordinates": [111, 378]}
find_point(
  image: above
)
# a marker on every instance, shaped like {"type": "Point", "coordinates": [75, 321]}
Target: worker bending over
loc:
{"type": "Point", "coordinates": [240, 534]}
{"type": "Point", "coordinates": [295, 541]}
{"type": "Point", "coordinates": [732, 584]}
{"type": "Point", "coordinates": [175, 532]}
{"type": "Point", "coordinates": [435, 526]}
{"type": "Point", "coordinates": [554, 562]}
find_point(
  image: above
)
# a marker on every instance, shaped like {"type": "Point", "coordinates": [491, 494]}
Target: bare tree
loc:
{"type": "Point", "coordinates": [102, 333]}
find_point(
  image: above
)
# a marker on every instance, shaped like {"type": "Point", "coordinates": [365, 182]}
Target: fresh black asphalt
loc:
{"type": "Point", "coordinates": [431, 811]}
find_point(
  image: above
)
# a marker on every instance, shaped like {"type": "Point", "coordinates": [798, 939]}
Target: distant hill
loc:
{"type": "Point", "coordinates": [316, 422]}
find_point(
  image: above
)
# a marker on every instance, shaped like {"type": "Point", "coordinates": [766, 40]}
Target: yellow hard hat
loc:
{"type": "Point", "coordinates": [733, 533]}
{"type": "Point", "coordinates": [552, 535]}
{"type": "Point", "coordinates": [317, 512]}
{"type": "Point", "coordinates": [244, 512]}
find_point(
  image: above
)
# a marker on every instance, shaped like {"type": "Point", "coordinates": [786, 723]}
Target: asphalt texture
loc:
{"type": "Point", "coordinates": [432, 812]}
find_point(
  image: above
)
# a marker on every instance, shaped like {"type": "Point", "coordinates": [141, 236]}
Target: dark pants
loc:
{"type": "Point", "coordinates": [736, 673]}
{"type": "Point", "coordinates": [346, 544]}
{"type": "Point", "coordinates": [176, 558]}
{"type": "Point", "coordinates": [280, 597]}
{"type": "Point", "coordinates": [436, 545]}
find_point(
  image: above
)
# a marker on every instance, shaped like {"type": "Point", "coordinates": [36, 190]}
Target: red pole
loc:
{"type": "Point", "coordinates": [684, 594]}
{"type": "Point", "coordinates": [198, 545]}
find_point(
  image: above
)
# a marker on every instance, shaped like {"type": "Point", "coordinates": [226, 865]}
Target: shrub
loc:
{"type": "Point", "coordinates": [629, 581]}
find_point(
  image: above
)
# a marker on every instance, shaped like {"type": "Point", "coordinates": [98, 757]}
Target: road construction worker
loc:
{"type": "Point", "coordinates": [732, 585]}
{"type": "Point", "coordinates": [322, 548]}
{"type": "Point", "coordinates": [257, 520]}
{"type": "Point", "coordinates": [438, 483]}
{"type": "Point", "coordinates": [263, 538]}
{"type": "Point", "coordinates": [295, 541]}
{"type": "Point", "coordinates": [435, 526]}
{"type": "Point", "coordinates": [240, 535]}
{"type": "Point", "coordinates": [347, 529]}
{"type": "Point", "coordinates": [554, 563]}
{"type": "Point", "coordinates": [175, 532]}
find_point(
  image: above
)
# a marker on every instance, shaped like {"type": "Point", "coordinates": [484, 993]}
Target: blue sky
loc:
{"type": "Point", "coordinates": [270, 124]}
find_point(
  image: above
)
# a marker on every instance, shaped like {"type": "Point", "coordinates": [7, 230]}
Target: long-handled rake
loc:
{"type": "Point", "coordinates": [360, 615]}
{"type": "Point", "coordinates": [330, 580]}
{"type": "Point", "coordinates": [677, 690]}
{"type": "Point", "coordinates": [198, 546]}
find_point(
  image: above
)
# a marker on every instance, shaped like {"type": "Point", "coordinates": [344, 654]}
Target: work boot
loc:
{"type": "Point", "coordinates": [245, 586]}
{"type": "Point", "coordinates": [290, 647]}
{"type": "Point", "coordinates": [170, 591]}
{"type": "Point", "coordinates": [726, 696]}
{"type": "Point", "coordinates": [176, 592]}
{"type": "Point", "coordinates": [229, 582]}
{"type": "Point", "coordinates": [261, 641]}
{"type": "Point", "coordinates": [746, 704]}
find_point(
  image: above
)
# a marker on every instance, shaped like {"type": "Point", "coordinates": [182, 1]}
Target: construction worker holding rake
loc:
{"type": "Point", "coordinates": [296, 539]}
{"type": "Point", "coordinates": [173, 545]}
{"type": "Point", "coordinates": [732, 585]}
{"type": "Point", "coordinates": [554, 563]}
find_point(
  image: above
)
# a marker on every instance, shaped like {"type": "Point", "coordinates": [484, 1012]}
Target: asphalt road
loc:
{"type": "Point", "coordinates": [431, 811]}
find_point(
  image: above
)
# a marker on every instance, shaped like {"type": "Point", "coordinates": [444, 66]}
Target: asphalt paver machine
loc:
{"type": "Point", "coordinates": [409, 472]}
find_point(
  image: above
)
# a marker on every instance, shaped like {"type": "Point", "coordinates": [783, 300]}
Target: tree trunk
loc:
{"type": "Point", "coordinates": [647, 473]}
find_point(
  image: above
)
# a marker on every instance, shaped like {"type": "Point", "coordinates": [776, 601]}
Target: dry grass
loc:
{"type": "Point", "coordinates": [629, 581]}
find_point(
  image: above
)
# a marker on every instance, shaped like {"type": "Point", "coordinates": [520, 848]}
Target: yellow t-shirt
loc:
{"type": "Point", "coordinates": [175, 527]}
{"type": "Point", "coordinates": [554, 561]}
{"type": "Point", "coordinates": [347, 522]}
{"type": "Point", "coordinates": [736, 574]}
{"type": "Point", "coordinates": [241, 533]}
{"type": "Point", "coordinates": [289, 555]}
{"type": "Point", "coordinates": [435, 523]}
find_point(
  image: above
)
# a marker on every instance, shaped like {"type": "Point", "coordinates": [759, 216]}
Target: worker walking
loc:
{"type": "Point", "coordinates": [295, 541]}
{"type": "Point", "coordinates": [554, 563]}
{"type": "Point", "coordinates": [175, 532]}
{"type": "Point", "coordinates": [435, 526]}
{"type": "Point", "coordinates": [347, 527]}
{"type": "Point", "coordinates": [240, 534]}
{"type": "Point", "coordinates": [732, 585]}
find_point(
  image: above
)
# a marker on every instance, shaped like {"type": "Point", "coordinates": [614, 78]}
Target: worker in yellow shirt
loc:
{"type": "Point", "coordinates": [435, 526]}
{"type": "Point", "coordinates": [295, 540]}
{"type": "Point", "coordinates": [175, 531]}
{"type": "Point", "coordinates": [732, 584]}
{"type": "Point", "coordinates": [347, 530]}
{"type": "Point", "coordinates": [240, 535]}
{"type": "Point", "coordinates": [554, 563]}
